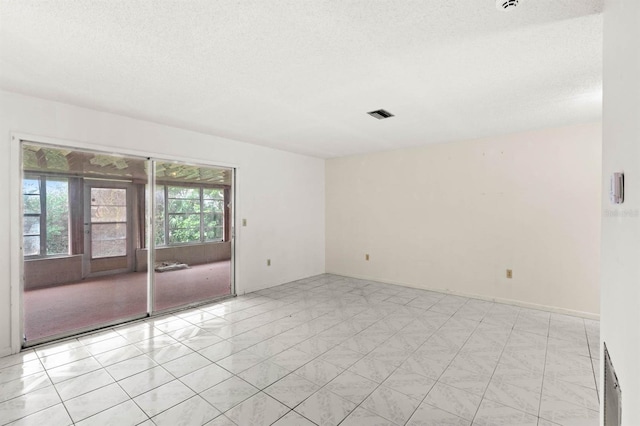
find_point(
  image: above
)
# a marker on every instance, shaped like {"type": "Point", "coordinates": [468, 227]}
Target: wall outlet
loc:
{"type": "Point", "coordinates": [366, 257]}
{"type": "Point", "coordinates": [244, 222]}
{"type": "Point", "coordinates": [509, 273]}
{"type": "Point", "coordinates": [268, 262]}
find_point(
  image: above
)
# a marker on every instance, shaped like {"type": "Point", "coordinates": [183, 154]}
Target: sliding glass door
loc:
{"type": "Point", "coordinates": [79, 240]}
{"type": "Point", "coordinates": [91, 225]}
{"type": "Point", "coordinates": [192, 216]}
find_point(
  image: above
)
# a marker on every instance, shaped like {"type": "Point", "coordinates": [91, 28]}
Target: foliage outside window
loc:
{"type": "Point", "coordinates": [46, 216]}
{"type": "Point", "coordinates": [188, 214]}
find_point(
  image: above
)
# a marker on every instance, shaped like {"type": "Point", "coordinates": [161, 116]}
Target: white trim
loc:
{"type": "Point", "coordinates": [16, 266]}
{"type": "Point", "coordinates": [236, 249]}
{"type": "Point", "coordinates": [150, 236]}
{"type": "Point", "coordinates": [554, 309]}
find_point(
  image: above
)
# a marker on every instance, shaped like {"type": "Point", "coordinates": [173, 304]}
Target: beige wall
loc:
{"type": "Point", "coordinates": [455, 216]}
{"type": "Point", "coordinates": [620, 283]}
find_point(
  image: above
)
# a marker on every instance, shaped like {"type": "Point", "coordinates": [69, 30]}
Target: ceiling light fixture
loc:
{"type": "Point", "coordinates": [506, 5]}
{"type": "Point", "coordinates": [380, 114]}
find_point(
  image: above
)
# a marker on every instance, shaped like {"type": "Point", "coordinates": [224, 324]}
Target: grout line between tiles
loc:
{"type": "Point", "coordinates": [544, 369]}
{"type": "Point", "coordinates": [328, 290]}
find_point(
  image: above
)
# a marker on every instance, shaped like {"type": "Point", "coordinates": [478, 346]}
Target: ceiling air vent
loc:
{"type": "Point", "coordinates": [380, 114]}
{"type": "Point", "coordinates": [506, 4]}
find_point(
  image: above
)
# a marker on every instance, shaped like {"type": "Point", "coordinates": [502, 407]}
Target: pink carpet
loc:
{"type": "Point", "coordinates": [93, 302]}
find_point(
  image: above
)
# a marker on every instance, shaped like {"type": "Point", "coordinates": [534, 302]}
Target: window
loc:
{"type": "Point", "coordinates": [183, 214]}
{"type": "Point", "coordinates": [108, 222]}
{"type": "Point", "coordinates": [46, 216]}
{"type": "Point", "coordinates": [213, 214]}
{"type": "Point", "coordinates": [188, 214]}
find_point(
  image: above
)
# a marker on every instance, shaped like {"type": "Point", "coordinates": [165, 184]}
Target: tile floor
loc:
{"type": "Point", "coordinates": [325, 350]}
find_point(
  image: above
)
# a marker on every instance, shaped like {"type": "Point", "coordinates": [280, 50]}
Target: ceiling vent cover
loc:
{"type": "Point", "coordinates": [380, 114]}
{"type": "Point", "coordinates": [507, 4]}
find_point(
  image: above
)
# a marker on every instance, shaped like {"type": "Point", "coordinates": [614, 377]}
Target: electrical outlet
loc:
{"type": "Point", "coordinates": [509, 273]}
{"type": "Point", "coordinates": [244, 222]}
{"type": "Point", "coordinates": [268, 262]}
{"type": "Point", "coordinates": [366, 257]}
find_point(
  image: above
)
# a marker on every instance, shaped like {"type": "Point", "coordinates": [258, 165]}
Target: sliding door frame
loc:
{"type": "Point", "coordinates": [151, 245]}
{"type": "Point", "coordinates": [17, 258]}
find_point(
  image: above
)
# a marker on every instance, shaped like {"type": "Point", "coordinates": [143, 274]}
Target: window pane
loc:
{"type": "Point", "coordinates": [108, 214]}
{"type": "Point", "coordinates": [184, 221]}
{"type": "Point", "coordinates": [108, 231]}
{"type": "Point", "coordinates": [213, 193]}
{"type": "Point", "coordinates": [108, 205]}
{"type": "Point", "coordinates": [209, 224]}
{"type": "Point", "coordinates": [31, 225]}
{"type": "Point", "coordinates": [184, 228]}
{"type": "Point", "coordinates": [213, 219]}
{"type": "Point", "coordinates": [31, 186]}
{"type": "Point", "coordinates": [214, 233]}
{"type": "Point", "coordinates": [111, 248]}
{"type": "Point", "coordinates": [108, 197]}
{"type": "Point", "coordinates": [31, 246]}
{"type": "Point", "coordinates": [57, 204]}
{"type": "Point", "coordinates": [184, 206]}
{"type": "Point", "coordinates": [184, 192]}
{"type": "Point", "coordinates": [31, 203]}
{"type": "Point", "coordinates": [212, 205]}
{"type": "Point", "coordinates": [108, 239]}
{"type": "Point", "coordinates": [184, 235]}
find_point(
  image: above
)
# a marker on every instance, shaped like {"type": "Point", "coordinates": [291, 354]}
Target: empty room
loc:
{"type": "Point", "coordinates": [320, 213]}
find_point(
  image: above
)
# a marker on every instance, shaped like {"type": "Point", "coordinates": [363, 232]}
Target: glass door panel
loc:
{"type": "Point", "coordinates": [192, 217]}
{"type": "Point", "coordinates": [82, 241]}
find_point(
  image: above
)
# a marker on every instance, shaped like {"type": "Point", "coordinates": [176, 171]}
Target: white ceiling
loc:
{"type": "Point", "coordinates": [300, 75]}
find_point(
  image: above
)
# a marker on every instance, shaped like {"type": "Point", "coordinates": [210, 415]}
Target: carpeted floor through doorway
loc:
{"type": "Point", "coordinates": [65, 308]}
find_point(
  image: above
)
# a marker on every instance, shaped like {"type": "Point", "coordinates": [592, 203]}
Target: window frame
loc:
{"type": "Point", "coordinates": [42, 184]}
{"type": "Point", "coordinates": [166, 214]}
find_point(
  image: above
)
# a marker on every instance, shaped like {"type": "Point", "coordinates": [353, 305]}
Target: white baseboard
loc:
{"type": "Point", "coordinates": [5, 351]}
{"type": "Point", "coordinates": [555, 309]}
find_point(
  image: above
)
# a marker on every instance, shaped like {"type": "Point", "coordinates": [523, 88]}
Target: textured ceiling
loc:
{"type": "Point", "coordinates": [300, 75]}
{"type": "Point", "coordinates": [37, 159]}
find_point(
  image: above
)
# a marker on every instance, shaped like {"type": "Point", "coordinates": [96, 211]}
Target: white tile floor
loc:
{"type": "Point", "coordinates": [325, 350]}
